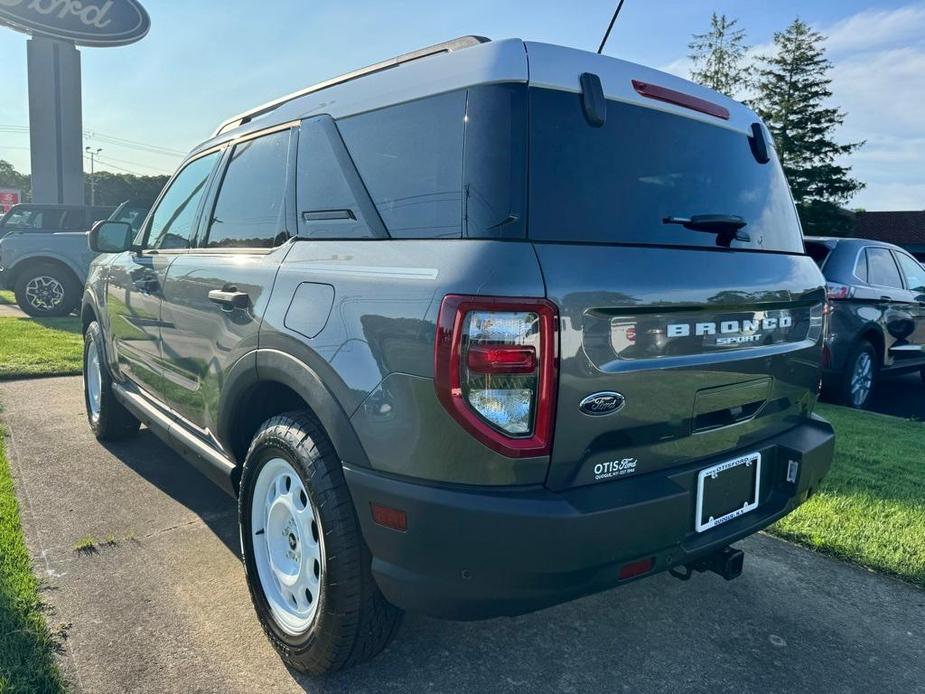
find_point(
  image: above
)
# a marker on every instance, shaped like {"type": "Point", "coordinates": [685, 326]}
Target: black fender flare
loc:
{"type": "Point", "coordinates": [272, 365]}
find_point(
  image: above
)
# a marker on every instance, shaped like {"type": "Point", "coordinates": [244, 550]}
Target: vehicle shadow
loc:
{"type": "Point", "coordinates": [900, 396]}
{"type": "Point", "coordinates": [154, 461]}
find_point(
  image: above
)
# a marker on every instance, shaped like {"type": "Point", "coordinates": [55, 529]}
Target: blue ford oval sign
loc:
{"type": "Point", "coordinates": [599, 404]}
{"type": "Point", "coordinates": [86, 22]}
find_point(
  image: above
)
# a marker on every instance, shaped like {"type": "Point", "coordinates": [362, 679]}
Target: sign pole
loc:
{"type": "Point", "coordinates": [55, 121]}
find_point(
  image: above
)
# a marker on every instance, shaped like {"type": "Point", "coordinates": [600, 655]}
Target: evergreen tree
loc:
{"type": "Point", "coordinates": [719, 57]}
{"type": "Point", "coordinates": [792, 95]}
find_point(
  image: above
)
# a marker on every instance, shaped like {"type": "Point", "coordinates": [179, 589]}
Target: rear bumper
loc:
{"type": "Point", "coordinates": [472, 552]}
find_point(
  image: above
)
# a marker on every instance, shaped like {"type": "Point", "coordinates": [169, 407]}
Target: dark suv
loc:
{"type": "Point", "coordinates": [471, 332]}
{"type": "Point", "coordinates": [877, 323]}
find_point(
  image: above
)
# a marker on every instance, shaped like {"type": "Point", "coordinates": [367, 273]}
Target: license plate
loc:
{"type": "Point", "coordinates": [727, 490]}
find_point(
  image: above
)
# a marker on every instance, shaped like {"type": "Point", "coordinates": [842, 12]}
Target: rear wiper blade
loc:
{"type": "Point", "coordinates": [725, 226]}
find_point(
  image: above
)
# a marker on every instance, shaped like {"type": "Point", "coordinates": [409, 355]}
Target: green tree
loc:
{"type": "Point", "coordinates": [792, 99]}
{"type": "Point", "coordinates": [11, 178]}
{"type": "Point", "coordinates": [719, 58]}
{"type": "Point", "coordinates": [113, 188]}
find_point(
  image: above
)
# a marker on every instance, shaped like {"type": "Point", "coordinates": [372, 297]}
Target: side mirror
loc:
{"type": "Point", "coordinates": [110, 237]}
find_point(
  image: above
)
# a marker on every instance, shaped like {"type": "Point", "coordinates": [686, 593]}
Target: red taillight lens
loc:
{"type": "Point", "coordinates": [501, 359]}
{"type": "Point", "coordinates": [838, 292]}
{"type": "Point", "coordinates": [495, 370]}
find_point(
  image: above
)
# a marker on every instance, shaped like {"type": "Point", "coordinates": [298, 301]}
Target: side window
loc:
{"type": "Point", "coordinates": [173, 222]}
{"type": "Point", "coordinates": [250, 208]}
{"type": "Point", "coordinates": [860, 267]}
{"type": "Point", "coordinates": [328, 189]}
{"type": "Point", "coordinates": [410, 158]}
{"type": "Point", "coordinates": [75, 220]}
{"type": "Point", "coordinates": [881, 268]}
{"type": "Point", "coordinates": [914, 272]}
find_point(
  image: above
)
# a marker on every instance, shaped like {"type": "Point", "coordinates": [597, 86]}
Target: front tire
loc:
{"type": "Point", "coordinates": [107, 416]}
{"type": "Point", "coordinates": [307, 566]}
{"type": "Point", "coordinates": [862, 372]}
{"type": "Point", "coordinates": [46, 290]}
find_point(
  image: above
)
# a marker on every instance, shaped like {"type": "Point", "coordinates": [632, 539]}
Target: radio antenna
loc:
{"type": "Point", "coordinates": [612, 20]}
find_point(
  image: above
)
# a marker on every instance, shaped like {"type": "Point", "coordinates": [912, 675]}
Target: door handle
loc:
{"type": "Point", "coordinates": [229, 299]}
{"type": "Point", "coordinates": [886, 298]}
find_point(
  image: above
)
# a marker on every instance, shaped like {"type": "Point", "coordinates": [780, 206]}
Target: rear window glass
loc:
{"type": "Point", "coordinates": [617, 183]}
{"type": "Point", "coordinates": [249, 210]}
{"type": "Point", "coordinates": [410, 158]}
{"type": "Point", "coordinates": [881, 268]}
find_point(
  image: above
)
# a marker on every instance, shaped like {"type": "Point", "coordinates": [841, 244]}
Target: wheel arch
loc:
{"type": "Point", "coordinates": [23, 264]}
{"type": "Point", "coordinates": [267, 383]}
{"type": "Point", "coordinates": [873, 334]}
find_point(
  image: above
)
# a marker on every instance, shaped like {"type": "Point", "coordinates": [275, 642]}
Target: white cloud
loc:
{"type": "Point", "coordinates": [871, 29]}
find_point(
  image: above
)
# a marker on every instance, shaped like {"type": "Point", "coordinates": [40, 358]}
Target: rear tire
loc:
{"type": "Point", "coordinates": [861, 376]}
{"type": "Point", "coordinates": [107, 416]}
{"type": "Point", "coordinates": [46, 290]}
{"type": "Point", "coordinates": [308, 568]}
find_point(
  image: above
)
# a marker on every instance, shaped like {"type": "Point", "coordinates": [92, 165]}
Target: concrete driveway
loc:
{"type": "Point", "coordinates": [164, 608]}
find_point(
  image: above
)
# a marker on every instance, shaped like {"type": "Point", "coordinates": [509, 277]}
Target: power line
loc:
{"type": "Point", "coordinates": [107, 162]}
{"type": "Point", "coordinates": [109, 139]}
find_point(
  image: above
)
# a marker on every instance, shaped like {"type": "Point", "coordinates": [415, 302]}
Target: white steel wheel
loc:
{"type": "Point", "coordinates": [94, 380]}
{"type": "Point", "coordinates": [288, 546]}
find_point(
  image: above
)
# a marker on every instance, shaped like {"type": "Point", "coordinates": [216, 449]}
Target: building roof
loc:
{"type": "Point", "coordinates": [901, 228]}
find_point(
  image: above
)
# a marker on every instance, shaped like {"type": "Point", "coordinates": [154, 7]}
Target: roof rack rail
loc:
{"type": "Point", "coordinates": [445, 47]}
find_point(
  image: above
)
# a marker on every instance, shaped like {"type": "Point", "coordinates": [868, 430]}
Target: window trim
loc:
{"type": "Point", "coordinates": [201, 237]}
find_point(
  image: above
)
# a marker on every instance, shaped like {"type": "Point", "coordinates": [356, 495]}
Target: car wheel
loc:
{"type": "Point", "coordinates": [46, 290]}
{"type": "Point", "coordinates": [861, 375]}
{"type": "Point", "coordinates": [107, 416]}
{"type": "Point", "coordinates": [308, 568]}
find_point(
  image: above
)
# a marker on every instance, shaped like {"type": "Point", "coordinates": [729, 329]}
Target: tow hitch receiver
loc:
{"type": "Point", "coordinates": [727, 562]}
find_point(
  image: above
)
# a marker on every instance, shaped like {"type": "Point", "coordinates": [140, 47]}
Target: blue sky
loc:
{"type": "Point", "coordinates": [205, 61]}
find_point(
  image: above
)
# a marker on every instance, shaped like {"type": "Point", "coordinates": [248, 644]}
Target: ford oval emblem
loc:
{"type": "Point", "coordinates": [600, 404]}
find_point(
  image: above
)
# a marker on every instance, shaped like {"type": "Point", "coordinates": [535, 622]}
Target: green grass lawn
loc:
{"type": "Point", "coordinates": [6, 297]}
{"type": "Point", "coordinates": [40, 346]}
{"type": "Point", "coordinates": [870, 509]}
{"type": "Point", "coordinates": [27, 662]}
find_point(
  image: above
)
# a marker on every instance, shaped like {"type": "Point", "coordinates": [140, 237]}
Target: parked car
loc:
{"type": "Point", "coordinates": [471, 332]}
{"type": "Point", "coordinates": [877, 322]}
{"type": "Point", "coordinates": [36, 217]}
{"type": "Point", "coordinates": [47, 270]}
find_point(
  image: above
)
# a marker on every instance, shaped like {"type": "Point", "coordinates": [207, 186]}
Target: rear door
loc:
{"type": "Point", "coordinates": [215, 295]}
{"type": "Point", "coordinates": [712, 341]}
{"type": "Point", "coordinates": [897, 304]}
{"type": "Point", "coordinates": [914, 278]}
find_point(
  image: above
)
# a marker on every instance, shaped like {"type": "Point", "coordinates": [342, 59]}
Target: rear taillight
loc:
{"type": "Point", "coordinates": [495, 370]}
{"type": "Point", "coordinates": [836, 292]}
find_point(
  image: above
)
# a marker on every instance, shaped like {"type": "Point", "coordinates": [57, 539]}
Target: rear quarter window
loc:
{"type": "Point", "coordinates": [616, 183]}
{"type": "Point", "coordinates": [410, 158]}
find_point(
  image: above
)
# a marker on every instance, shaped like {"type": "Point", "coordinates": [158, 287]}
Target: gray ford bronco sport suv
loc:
{"type": "Point", "coordinates": [471, 332]}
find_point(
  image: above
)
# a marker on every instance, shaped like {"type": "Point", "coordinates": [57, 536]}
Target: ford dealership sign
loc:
{"type": "Point", "coordinates": [86, 22]}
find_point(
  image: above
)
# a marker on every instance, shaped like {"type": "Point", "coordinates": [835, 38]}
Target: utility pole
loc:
{"type": "Point", "coordinates": [93, 154]}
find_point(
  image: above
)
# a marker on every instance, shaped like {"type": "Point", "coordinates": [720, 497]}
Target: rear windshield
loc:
{"type": "Point", "coordinates": [617, 183]}
{"type": "Point", "coordinates": [818, 251]}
